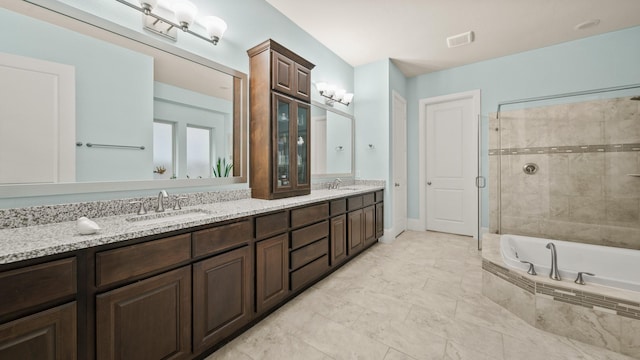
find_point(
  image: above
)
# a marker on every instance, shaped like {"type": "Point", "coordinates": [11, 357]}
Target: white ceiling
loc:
{"type": "Point", "coordinates": [413, 32]}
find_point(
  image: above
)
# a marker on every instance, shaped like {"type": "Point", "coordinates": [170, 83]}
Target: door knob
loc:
{"type": "Point", "coordinates": [428, 182]}
{"type": "Point", "coordinates": [397, 185]}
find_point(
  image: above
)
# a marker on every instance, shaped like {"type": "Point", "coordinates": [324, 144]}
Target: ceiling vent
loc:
{"type": "Point", "coordinates": [460, 39]}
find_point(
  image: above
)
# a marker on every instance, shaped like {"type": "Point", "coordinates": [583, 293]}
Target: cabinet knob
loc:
{"type": "Point", "coordinates": [397, 185]}
{"type": "Point", "coordinates": [428, 182]}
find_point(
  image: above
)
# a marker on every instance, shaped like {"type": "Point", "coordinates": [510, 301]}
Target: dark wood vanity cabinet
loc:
{"type": "Point", "coordinates": [44, 298]}
{"type": "Point", "coordinates": [221, 297]}
{"type": "Point", "coordinates": [149, 319]}
{"type": "Point", "coordinates": [49, 334]}
{"type": "Point", "coordinates": [280, 85]}
{"type": "Point", "coordinates": [272, 272]}
{"type": "Point", "coordinates": [182, 295]}
{"type": "Point", "coordinates": [355, 235]}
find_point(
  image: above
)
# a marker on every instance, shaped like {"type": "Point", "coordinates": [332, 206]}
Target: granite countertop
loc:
{"type": "Point", "coordinates": [36, 241]}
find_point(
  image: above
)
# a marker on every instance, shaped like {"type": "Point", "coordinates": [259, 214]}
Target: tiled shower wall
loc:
{"type": "Point", "coordinates": [583, 190]}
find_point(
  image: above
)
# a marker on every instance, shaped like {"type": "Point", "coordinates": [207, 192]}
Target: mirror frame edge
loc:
{"type": "Point", "coordinates": [241, 138]}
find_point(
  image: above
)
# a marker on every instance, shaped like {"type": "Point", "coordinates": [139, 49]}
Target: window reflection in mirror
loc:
{"type": "Point", "coordinates": [163, 150]}
{"type": "Point", "coordinates": [199, 152]}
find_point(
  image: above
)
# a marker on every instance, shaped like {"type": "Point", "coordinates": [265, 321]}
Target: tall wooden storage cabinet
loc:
{"type": "Point", "coordinates": [280, 95]}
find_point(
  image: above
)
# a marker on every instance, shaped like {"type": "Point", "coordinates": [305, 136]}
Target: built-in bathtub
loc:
{"type": "Point", "coordinates": [605, 312]}
{"type": "Point", "coordinates": [614, 267]}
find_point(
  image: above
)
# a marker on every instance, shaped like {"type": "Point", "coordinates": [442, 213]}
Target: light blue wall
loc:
{"type": "Point", "coordinates": [606, 60]}
{"type": "Point", "coordinates": [114, 94]}
{"type": "Point", "coordinates": [250, 23]}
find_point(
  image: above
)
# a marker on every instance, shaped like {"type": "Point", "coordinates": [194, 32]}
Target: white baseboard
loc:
{"type": "Point", "coordinates": [388, 237]}
{"type": "Point", "coordinates": [414, 225]}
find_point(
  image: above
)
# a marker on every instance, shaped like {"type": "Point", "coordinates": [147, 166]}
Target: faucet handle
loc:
{"type": "Point", "coordinates": [141, 210]}
{"type": "Point", "coordinates": [532, 269]}
{"type": "Point", "coordinates": [177, 206]}
{"type": "Point", "coordinates": [579, 279]}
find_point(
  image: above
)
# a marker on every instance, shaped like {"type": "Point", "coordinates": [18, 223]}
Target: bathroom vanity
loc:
{"type": "Point", "coordinates": [173, 289]}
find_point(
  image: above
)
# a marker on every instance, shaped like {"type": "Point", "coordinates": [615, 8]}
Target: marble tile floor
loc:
{"type": "Point", "coordinates": [416, 298]}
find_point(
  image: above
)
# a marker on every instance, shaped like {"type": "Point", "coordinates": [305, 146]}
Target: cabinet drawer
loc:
{"type": "Point", "coordinates": [37, 284]}
{"type": "Point", "coordinates": [354, 202]}
{"type": "Point", "coordinates": [308, 273]}
{"type": "Point", "coordinates": [309, 215]}
{"type": "Point", "coordinates": [212, 240]}
{"type": "Point", "coordinates": [368, 199]}
{"type": "Point", "coordinates": [272, 224]}
{"type": "Point", "coordinates": [309, 234]}
{"type": "Point", "coordinates": [338, 206]}
{"type": "Point", "coordinates": [305, 254]}
{"type": "Point", "coordinates": [128, 262]}
{"type": "Point", "coordinates": [379, 196]}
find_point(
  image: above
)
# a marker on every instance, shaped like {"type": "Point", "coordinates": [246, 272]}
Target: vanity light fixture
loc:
{"type": "Point", "coordinates": [185, 14]}
{"type": "Point", "coordinates": [333, 94]}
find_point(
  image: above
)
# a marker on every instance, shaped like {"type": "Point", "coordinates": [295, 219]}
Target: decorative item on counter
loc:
{"type": "Point", "coordinates": [86, 226]}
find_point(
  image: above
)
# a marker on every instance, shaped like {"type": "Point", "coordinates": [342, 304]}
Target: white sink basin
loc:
{"type": "Point", "coordinates": [170, 216]}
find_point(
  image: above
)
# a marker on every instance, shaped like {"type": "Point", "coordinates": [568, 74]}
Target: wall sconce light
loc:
{"type": "Point", "coordinates": [185, 13]}
{"type": "Point", "coordinates": [333, 94]}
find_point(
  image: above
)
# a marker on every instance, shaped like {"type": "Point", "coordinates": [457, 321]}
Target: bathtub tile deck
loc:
{"type": "Point", "coordinates": [416, 298]}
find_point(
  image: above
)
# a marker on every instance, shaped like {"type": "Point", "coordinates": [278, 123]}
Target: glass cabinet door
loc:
{"type": "Point", "coordinates": [302, 142]}
{"type": "Point", "coordinates": [283, 148]}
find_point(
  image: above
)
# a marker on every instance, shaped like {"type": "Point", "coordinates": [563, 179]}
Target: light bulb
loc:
{"type": "Point", "coordinates": [185, 12]}
{"type": "Point", "coordinates": [148, 5]}
{"type": "Point", "coordinates": [339, 94]}
{"type": "Point", "coordinates": [348, 98]}
{"type": "Point", "coordinates": [215, 27]}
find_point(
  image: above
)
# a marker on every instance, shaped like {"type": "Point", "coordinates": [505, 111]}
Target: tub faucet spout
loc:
{"type": "Point", "coordinates": [554, 274]}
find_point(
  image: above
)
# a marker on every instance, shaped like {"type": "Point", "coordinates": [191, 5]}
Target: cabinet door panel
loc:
{"type": "Point", "coordinates": [355, 232]}
{"type": "Point", "coordinates": [48, 335]}
{"type": "Point", "coordinates": [302, 82]}
{"type": "Point", "coordinates": [338, 239]}
{"type": "Point", "coordinates": [284, 149]}
{"type": "Point", "coordinates": [149, 319]}
{"type": "Point", "coordinates": [303, 145]}
{"type": "Point", "coordinates": [379, 220]}
{"type": "Point", "coordinates": [283, 74]}
{"type": "Point", "coordinates": [272, 271]}
{"type": "Point", "coordinates": [221, 297]}
{"type": "Point", "coordinates": [369, 214]}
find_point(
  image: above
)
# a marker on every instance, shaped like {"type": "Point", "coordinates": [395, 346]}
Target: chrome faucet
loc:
{"type": "Point", "coordinates": [161, 196]}
{"type": "Point", "coordinates": [335, 184]}
{"type": "Point", "coordinates": [554, 274]}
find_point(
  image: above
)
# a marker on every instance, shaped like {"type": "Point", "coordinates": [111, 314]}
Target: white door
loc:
{"type": "Point", "coordinates": [451, 166]}
{"type": "Point", "coordinates": [399, 108]}
{"type": "Point", "coordinates": [37, 121]}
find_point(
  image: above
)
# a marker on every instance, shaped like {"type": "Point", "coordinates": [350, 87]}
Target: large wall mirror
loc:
{"type": "Point", "coordinates": [96, 107]}
{"type": "Point", "coordinates": [332, 152]}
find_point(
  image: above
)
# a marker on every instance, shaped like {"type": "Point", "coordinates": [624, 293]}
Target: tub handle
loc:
{"type": "Point", "coordinates": [579, 279]}
{"type": "Point", "coordinates": [532, 269]}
